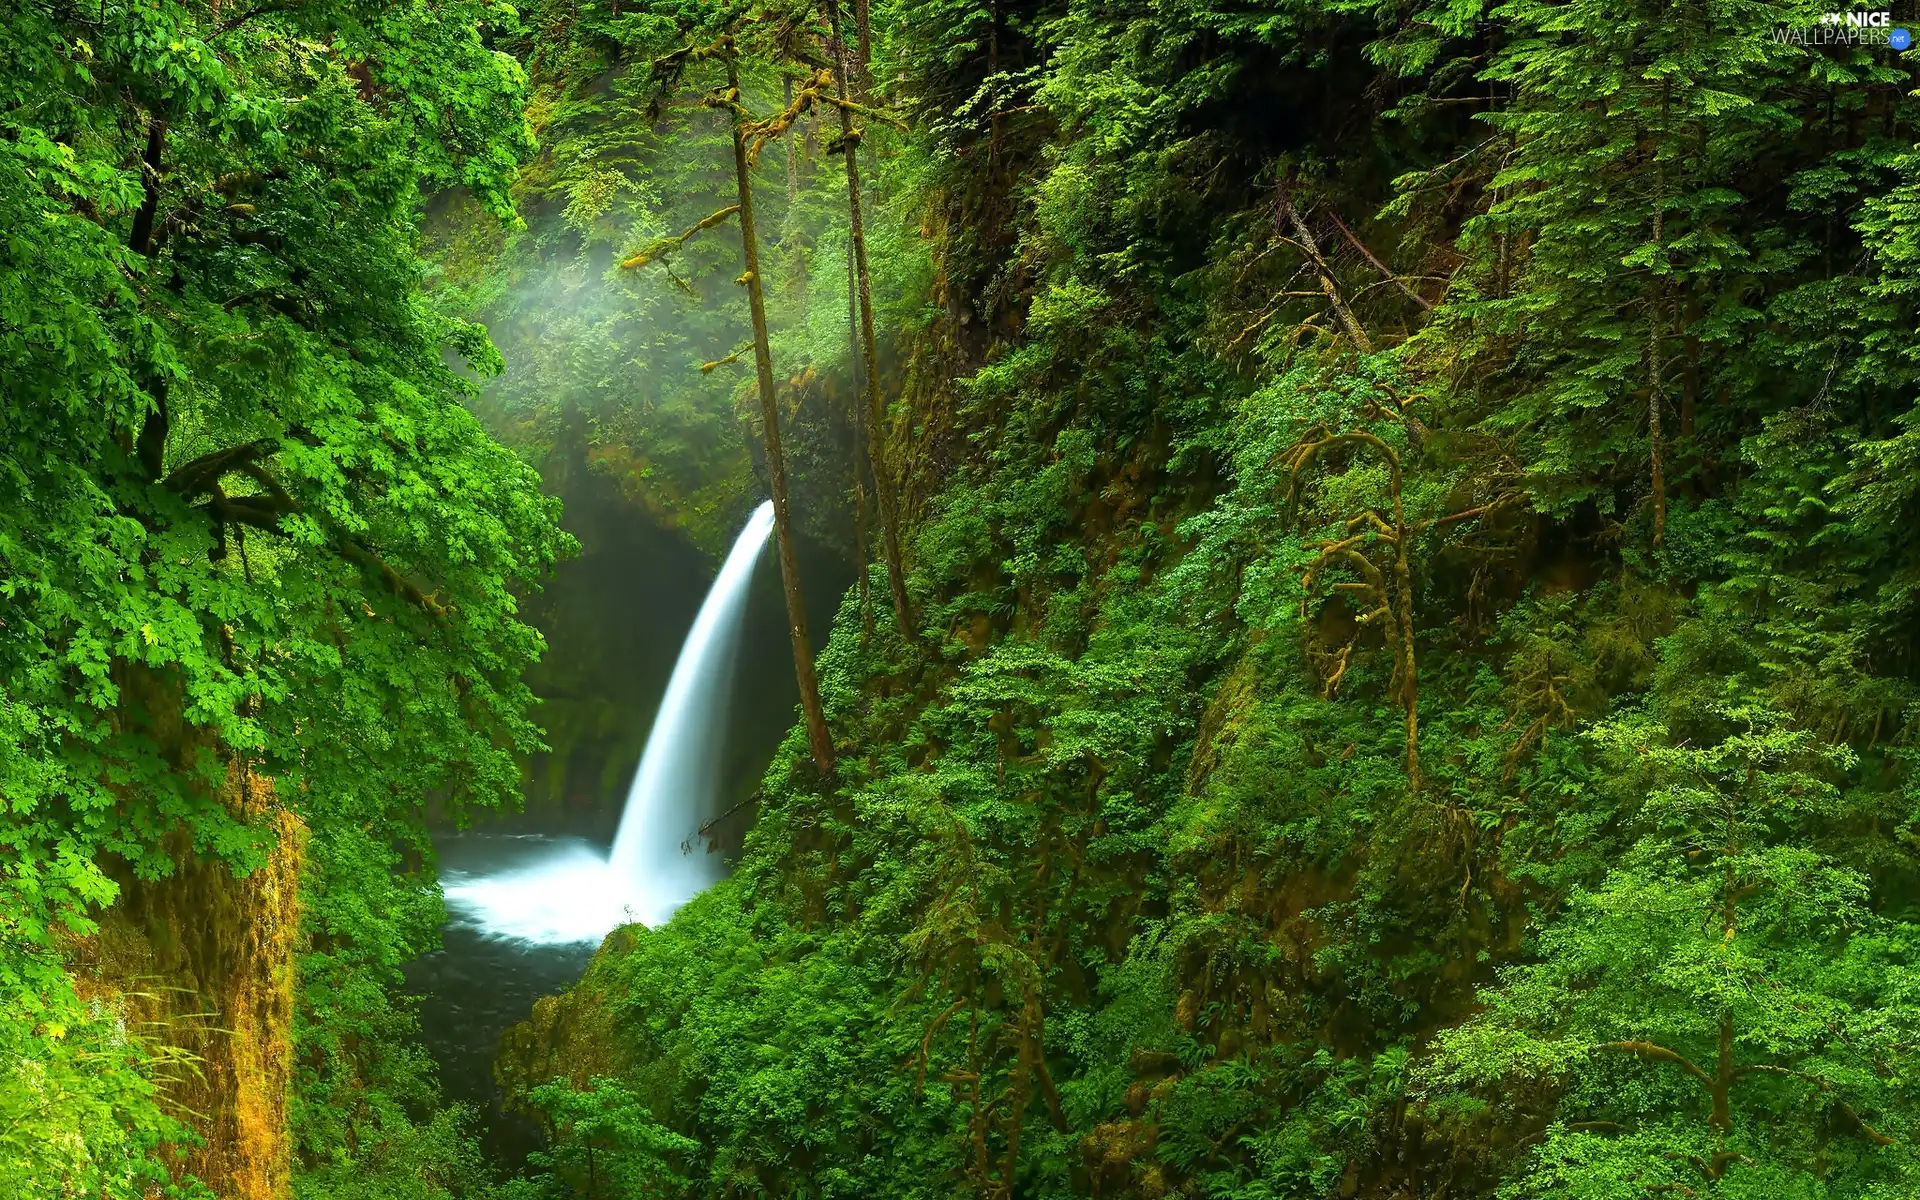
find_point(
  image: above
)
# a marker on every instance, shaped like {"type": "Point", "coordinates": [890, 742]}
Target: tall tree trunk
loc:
{"type": "Point", "coordinates": [1722, 1087]}
{"type": "Point", "coordinates": [225, 949]}
{"type": "Point", "coordinates": [859, 465]}
{"type": "Point", "coordinates": [993, 102]}
{"type": "Point", "coordinates": [862, 21]}
{"type": "Point", "coordinates": [876, 411]}
{"type": "Point", "coordinates": [151, 447]}
{"type": "Point", "coordinates": [818, 739]}
{"type": "Point", "coordinates": [793, 151]}
{"type": "Point", "coordinates": [205, 959]}
{"type": "Point", "coordinates": [1655, 300]}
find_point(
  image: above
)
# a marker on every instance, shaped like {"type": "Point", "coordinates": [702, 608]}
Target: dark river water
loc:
{"type": "Point", "coordinates": [476, 987]}
{"type": "Point", "coordinates": [614, 618]}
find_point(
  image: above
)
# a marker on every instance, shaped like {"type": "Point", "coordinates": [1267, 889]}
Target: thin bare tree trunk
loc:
{"type": "Point", "coordinates": [1654, 397]}
{"type": "Point", "coordinates": [876, 411]}
{"type": "Point", "coordinates": [993, 103]}
{"type": "Point", "coordinates": [818, 740]}
{"type": "Point", "coordinates": [1409, 676]}
{"type": "Point", "coordinates": [859, 457]}
{"type": "Point", "coordinates": [793, 151]}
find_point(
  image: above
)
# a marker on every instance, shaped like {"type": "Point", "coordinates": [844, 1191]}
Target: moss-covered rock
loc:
{"type": "Point", "coordinates": [573, 1036]}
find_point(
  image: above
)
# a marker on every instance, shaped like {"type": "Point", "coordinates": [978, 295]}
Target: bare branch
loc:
{"type": "Point", "coordinates": [1283, 204]}
{"type": "Point", "coordinates": [1384, 269]}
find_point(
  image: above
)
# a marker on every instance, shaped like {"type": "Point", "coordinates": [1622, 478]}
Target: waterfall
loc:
{"type": "Point", "coordinates": [674, 788]}
{"type": "Point", "coordinates": [566, 891]}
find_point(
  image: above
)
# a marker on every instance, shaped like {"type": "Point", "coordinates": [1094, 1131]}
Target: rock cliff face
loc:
{"type": "Point", "coordinates": [204, 962]}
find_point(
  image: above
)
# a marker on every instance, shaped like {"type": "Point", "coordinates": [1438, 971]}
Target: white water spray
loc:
{"type": "Point", "coordinates": [571, 894]}
{"type": "Point", "coordinates": [678, 776]}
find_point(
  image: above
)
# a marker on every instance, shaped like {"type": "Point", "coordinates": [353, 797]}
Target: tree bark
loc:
{"type": "Point", "coordinates": [1722, 1088]}
{"type": "Point", "coordinates": [862, 21]}
{"type": "Point", "coordinates": [215, 961]}
{"type": "Point", "coordinates": [1654, 302]}
{"type": "Point", "coordinates": [860, 436]}
{"type": "Point", "coordinates": [1403, 583]}
{"type": "Point", "coordinates": [140, 241]}
{"type": "Point", "coordinates": [876, 412]}
{"type": "Point", "coordinates": [793, 152]}
{"type": "Point", "coordinates": [151, 446]}
{"type": "Point", "coordinates": [818, 740]}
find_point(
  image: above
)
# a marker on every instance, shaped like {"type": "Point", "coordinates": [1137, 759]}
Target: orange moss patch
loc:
{"type": "Point", "coordinates": [204, 962]}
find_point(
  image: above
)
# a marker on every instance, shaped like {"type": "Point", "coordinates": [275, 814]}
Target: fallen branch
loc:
{"type": "Point", "coordinates": [1384, 269]}
{"type": "Point", "coordinates": [708, 826]}
{"type": "Point", "coordinates": [1304, 239]}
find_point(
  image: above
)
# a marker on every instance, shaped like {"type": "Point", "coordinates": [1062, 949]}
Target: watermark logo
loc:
{"type": "Point", "coordinates": [1852, 28]}
{"type": "Point", "coordinates": [1858, 20]}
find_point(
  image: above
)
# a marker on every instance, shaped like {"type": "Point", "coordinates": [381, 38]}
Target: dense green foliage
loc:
{"type": "Point", "coordinates": [1412, 546]}
{"type": "Point", "coordinates": [249, 530]}
{"type": "Point", "coordinates": [1431, 729]}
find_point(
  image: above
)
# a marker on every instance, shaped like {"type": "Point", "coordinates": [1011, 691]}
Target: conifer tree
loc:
{"type": "Point", "coordinates": [1613, 280]}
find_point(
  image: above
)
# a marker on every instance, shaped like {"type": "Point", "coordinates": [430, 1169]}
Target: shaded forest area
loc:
{"type": "Point", "coordinates": [1383, 664]}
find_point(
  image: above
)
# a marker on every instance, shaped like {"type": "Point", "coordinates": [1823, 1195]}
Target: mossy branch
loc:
{"type": "Point", "coordinates": [773, 128]}
{"type": "Point", "coordinates": [659, 246]}
{"type": "Point", "coordinates": [708, 368]}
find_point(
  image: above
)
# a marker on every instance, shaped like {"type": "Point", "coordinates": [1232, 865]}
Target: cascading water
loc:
{"type": "Point", "coordinates": [570, 892]}
{"type": "Point", "coordinates": [674, 787]}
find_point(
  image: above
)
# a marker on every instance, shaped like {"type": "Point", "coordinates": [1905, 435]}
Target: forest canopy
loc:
{"type": "Point", "coordinates": [1383, 661]}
